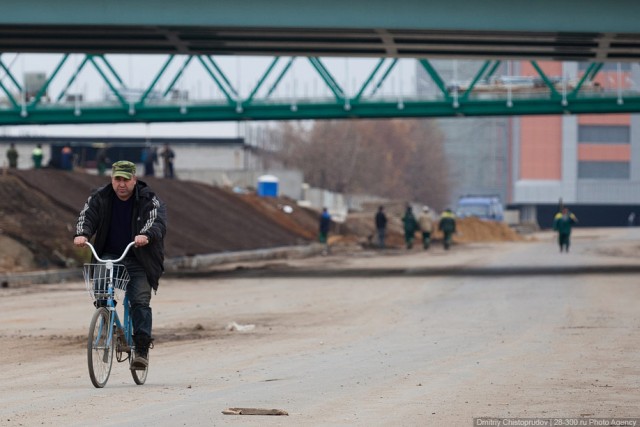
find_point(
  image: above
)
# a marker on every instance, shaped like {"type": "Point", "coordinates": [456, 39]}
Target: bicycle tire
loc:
{"type": "Point", "coordinates": [99, 356]}
{"type": "Point", "coordinates": [140, 375]}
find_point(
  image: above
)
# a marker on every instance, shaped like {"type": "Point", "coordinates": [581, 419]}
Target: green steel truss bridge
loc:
{"type": "Point", "coordinates": [485, 94]}
{"type": "Point", "coordinates": [191, 33]}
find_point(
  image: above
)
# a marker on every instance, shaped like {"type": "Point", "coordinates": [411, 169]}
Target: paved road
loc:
{"type": "Point", "coordinates": [505, 330]}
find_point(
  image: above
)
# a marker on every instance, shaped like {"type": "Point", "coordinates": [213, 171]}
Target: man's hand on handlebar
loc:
{"type": "Point", "coordinates": [80, 241]}
{"type": "Point", "coordinates": [141, 240]}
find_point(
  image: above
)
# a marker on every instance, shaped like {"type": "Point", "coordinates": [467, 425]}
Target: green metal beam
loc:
{"type": "Point", "coordinates": [216, 80]}
{"type": "Point", "coordinates": [72, 78]}
{"type": "Point", "coordinates": [384, 76]}
{"type": "Point", "coordinates": [369, 79]}
{"type": "Point", "coordinates": [280, 77]}
{"type": "Point", "coordinates": [329, 110]}
{"type": "Point", "coordinates": [113, 89]}
{"type": "Point", "coordinates": [328, 78]}
{"type": "Point", "coordinates": [155, 81]}
{"type": "Point", "coordinates": [113, 70]}
{"type": "Point", "coordinates": [177, 76]}
{"type": "Point", "coordinates": [263, 78]}
{"type": "Point", "coordinates": [10, 75]}
{"type": "Point", "coordinates": [433, 73]}
{"type": "Point", "coordinates": [545, 79]}
{"type": "Point", "coordinates": [478, 76]}
{"type": "Point", "coordinates": [44, 87]}
{"type": "Point", "coordinates": [493, 69]}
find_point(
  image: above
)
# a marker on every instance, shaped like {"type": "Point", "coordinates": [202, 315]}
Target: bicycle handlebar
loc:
{"type": "Point", "coordinates": [113, 261]}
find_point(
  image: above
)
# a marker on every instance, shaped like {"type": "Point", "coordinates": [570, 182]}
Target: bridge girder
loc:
{"type": "Point", "coordinates": [490, 29]}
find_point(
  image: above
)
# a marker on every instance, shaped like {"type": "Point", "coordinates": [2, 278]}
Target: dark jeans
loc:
{"type": "Point", "coordinates": [426, 239]}
{"type": "Point", "coordinates": [168, 170]}
{"type": "Point", "coordinates": [563, 241]}
{"type": "Point", "coordinates": [381, 237]}
{"type": "Point", "coordinates": [408, 239]}
{"type": "Point", "coordinates": [139, 295]}
{"type": "Point", "coordinates": [447, 239]}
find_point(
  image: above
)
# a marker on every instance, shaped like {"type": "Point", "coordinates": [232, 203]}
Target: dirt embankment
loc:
{"type": "Point", "coordinates": [39, 210]}
{"type": "Point", "coordinates": [40, 207]}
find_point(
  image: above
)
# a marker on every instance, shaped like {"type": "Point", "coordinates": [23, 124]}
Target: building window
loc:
{"type": "Point", "coordinates": [603, 170]}
{"type": "Point", "coordinates": [604, 134]}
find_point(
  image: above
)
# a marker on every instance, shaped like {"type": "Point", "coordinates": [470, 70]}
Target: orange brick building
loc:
{"type": "Point", "coordinates": [588, 162]}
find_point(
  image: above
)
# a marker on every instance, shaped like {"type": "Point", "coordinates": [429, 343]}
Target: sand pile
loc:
{"type": "Point", "coordinates": [477, 230]}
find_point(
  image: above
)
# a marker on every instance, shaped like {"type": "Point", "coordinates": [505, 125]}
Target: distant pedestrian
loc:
{"type": "Point", "coordinates": [36, 156]}
{"type": "Point", "coordinates": [447, 225]}
{"type": "Point", "coordinates": [168, 156]}
{"type": "Point", "coordinates": [323, 232]}
{"type": "Point", "coordinates": [631, 220]}
{"type": "Point", "coordinates": [67, 158]}
{"type": "Point", "coordinates": [102, 161]}
{"type": "Point", "coordinates": [410, 226]}
{"type": "Point", "coordinates": [325, 223]}
{"type": "Point", "coordinates": [12, 156]}
{"type": "Point", "coordinates": [426, 226]}
{"type": "Point", "coordinates": [562, 223]}
{"type": "Point", "coordinates": [381, 226]}
{"type": "Point", "coordinates": [150, 159]}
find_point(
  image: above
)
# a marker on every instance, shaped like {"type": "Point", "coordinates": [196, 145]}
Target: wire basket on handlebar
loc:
{"type": "Point", "coordinates": [96, 278]}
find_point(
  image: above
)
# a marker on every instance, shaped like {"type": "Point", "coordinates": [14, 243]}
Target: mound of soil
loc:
{"type": "Point", "coordinates": [40, 209]}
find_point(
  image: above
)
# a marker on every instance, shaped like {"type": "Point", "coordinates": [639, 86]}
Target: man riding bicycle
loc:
{"type": "Point", "coordinates": [128, 210]}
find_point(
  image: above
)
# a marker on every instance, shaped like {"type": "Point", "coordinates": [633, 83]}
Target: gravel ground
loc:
{"type": "Point", "coordinates": [368, 339]}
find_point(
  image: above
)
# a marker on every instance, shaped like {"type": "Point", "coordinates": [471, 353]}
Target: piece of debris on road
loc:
{"type": "Point", "coordinates": [254, 411]}
{"type": "Point", "coordinates": [233, 326]}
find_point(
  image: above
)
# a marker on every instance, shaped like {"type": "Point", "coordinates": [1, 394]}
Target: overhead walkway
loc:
{"type": "Point", "coordinates": [56, 100]}
{"type": "Point", "coordinates": [287, 31]}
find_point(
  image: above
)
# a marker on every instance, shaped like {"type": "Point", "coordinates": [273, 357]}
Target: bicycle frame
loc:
{"type": "Point", "coordinates": [121, 330]}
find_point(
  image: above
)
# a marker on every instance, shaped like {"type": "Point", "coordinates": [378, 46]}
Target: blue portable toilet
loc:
{"type": "Point", "coordinates": [268, 186]}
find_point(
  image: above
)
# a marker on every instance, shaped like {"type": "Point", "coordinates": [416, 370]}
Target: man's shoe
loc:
{"type": "Point", "coordinates": [140, 361]}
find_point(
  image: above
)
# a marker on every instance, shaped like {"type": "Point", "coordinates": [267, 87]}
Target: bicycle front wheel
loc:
{"type": "Point", "coordinates": [100, 347]}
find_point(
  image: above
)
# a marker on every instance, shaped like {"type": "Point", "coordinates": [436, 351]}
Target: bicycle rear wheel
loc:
{"type": "Point", "coordinates": [100, 348]}
{"type": "Point", "coordinates": [140, 375]}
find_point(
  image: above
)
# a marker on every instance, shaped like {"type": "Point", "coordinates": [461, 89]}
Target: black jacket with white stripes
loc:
{"type": "Point", "coordinates": [149, 218]}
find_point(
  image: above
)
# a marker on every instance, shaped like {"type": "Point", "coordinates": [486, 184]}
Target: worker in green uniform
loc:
{"type": "Point", "coordinates": [562, 223]}
{"type": "Point", "coordinates": [447, 225]}
{"type": "Point", "coordinates": [36, 156]}
{"type": "Point", "coordinates": [410, 226]}
{"type": "Point", "coordinates": [12, 156]}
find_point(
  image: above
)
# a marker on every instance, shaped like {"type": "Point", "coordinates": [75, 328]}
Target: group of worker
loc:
{"type": "Point", "coordinates": [425, 223]}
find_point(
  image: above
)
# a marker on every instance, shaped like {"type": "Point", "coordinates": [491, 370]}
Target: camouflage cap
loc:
{"type": "Point", "coordinates": [123, 168]}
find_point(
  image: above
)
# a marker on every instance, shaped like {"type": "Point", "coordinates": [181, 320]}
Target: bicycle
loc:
{"type": "Point", "coordinates": [106, 283]}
